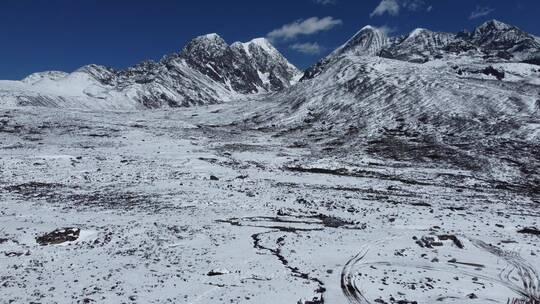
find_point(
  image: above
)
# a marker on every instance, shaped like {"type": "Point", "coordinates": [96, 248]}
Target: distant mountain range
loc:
{"type": "Point", "coordinates": [422, 94]}
{"type": "Point", "coordinates": [208, 70]}
{"type": "Point", "coordinates": [493, 41]}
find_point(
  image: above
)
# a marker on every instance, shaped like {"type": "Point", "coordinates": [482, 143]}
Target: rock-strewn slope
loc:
{"type": "Point", "coordinates": [460, 109]}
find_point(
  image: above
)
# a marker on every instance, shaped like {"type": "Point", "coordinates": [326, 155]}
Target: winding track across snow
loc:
{"type": "Point", "coordinates": [517, 275]}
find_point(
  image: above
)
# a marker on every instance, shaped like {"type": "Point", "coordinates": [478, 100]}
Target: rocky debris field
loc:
{"type": "Point", "coordinates": [174, 206]}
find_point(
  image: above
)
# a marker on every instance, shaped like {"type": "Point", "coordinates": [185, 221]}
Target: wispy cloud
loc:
{"type": "Point", "coordinates": [414, 5]}
{"type": "Point", "coordinates": [394, 7]}
{"type": "Point", "coordinates": [390, 7]}
{"type": "Point", "coordinates": [325, 2]}
{"type": "Point", "coordinates": [387, 30]}
{"type": "Point", "coordinates": [481, 11]}
{"type": "Point", "coordinates": [310, 48]}
{"type": "Point", "coordinates": [308, 26]}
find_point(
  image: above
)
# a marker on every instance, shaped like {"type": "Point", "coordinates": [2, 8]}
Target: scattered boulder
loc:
{"type": "Point", "coordinates": [428, 242]}
{"type": "Point", "coordinates": [16, 254]}
{"type": "Point", "coordinates": [453, 238]}
{"type": "Point", "coordinates": [332, 221]}
{"type": "Point", "coordinates": [530, 230]}
{"type": "Point", "coordinates": [499, 74]}
{"type": "Point", "coordinates": [59, 236]}
{"type": "Point", "coordinates": [214, 178]}
{"type": "Point", "coordinates": [217, 272]}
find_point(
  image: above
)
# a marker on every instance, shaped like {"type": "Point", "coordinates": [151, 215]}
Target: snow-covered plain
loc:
{"type": "Point", "coordinates": [181, 206]}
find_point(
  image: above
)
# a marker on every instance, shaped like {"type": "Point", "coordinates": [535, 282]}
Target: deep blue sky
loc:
{"type": "Point", "coordinates": [38, 35]}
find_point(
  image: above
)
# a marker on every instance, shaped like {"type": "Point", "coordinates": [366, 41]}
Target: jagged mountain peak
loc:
{"type": "Point", "coordinates": [211, 38]}
{"type": "Point", "coordinates": [506, 41]}
{"type": "Point", "coordinates": [51, 75]}
{"type": "Point", "coordinates": [494, 25]}
{"type": "Point", "coordinates": [368, 41]}
{"type": "Point", "coordinates": [103, 74]}
{"type": "Point", "coordinates": [208, 39]}
{"type": "Point", "coordinates": [260, 43]}
{"type": "Point", "coordinates": [418, 32]}
{"type": "Point", "coordinates": [94, 67]}
{"type": "Point", "coordinates": [420, 45]}
{"type": "Point", "coordinates": [251, 67]}
{"type": "Point", "coordinates": [495, 29]}
{"type": "Point", "coordinates": [265, 45]}
{"type": "Point", "coordinates": [211, 44]}
{"type": "Point", "coordinates": [493, 39]}
{"type": "Point", "coordinates": [207, 70]}
{"type": "Point", "coordinates": [368, 28]}
{"type": "Point", "coordinates": [263, 52]}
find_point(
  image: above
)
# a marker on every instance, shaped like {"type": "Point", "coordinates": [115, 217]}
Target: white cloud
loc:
{"type": "Point", "coordinates": [387, 30]}
{"type": "Point", "coordinates": [325, 2]}
{"type": "Point", "coordinates": [309, 26]}
{"type": "Point", "coordinates": [394, 7]}
{"type": "Point", "coordinates": [481, 11]}
{"type": "Point", "coordinates": [310, 48]}
{"type": "Point", "coordinates": [390, 7]}
{"type": "Point", "coordinates": [413, 5]}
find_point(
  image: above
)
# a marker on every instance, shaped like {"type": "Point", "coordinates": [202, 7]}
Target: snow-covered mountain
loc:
{"type": "Point", "coordinates": [495, 38]}
{"type": "Point", "coordinates": [379, 82]}
{"type": "Point", "coordinates": [420, 45]}
{"type": "Point", "coordinates": [491, 41]}
{"type": "Point", "coordinates": [246, 68]}
{"type": "Point", "coordinates": [376, 94]}
{"type": "Point", "coordinates": [368, 41]}
{"type": "Point", "coordinates": [206, 71]}
{"type": "Point", "coordinates": [436, 92]}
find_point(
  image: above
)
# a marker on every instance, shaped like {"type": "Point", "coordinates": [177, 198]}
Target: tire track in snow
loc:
{"type": "Point", "coordinates": [528, 285]}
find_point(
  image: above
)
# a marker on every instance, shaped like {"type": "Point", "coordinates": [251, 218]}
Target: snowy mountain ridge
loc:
{"type": "Point", "coordinates": [491, 41]}
{"type": "Point", "coordinates": [206, 71]}
{"type": "Point", "coordinates": [392, 100]}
